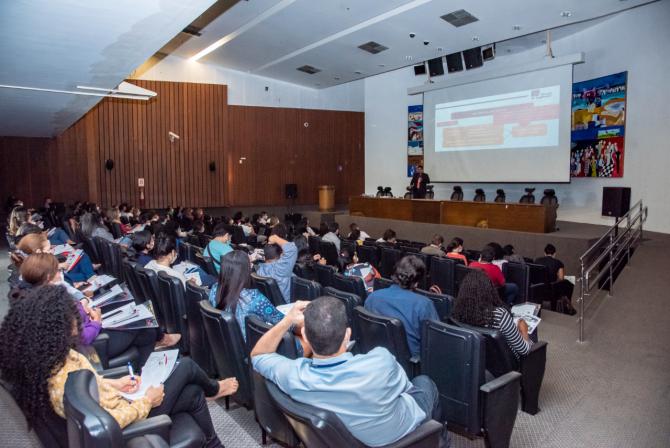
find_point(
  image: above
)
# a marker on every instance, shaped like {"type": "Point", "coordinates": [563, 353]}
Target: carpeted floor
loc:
{"type": "Point", "coordinates": [612, 391]}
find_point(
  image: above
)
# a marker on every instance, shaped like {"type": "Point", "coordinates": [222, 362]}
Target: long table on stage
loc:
{"type": "Point", "coordinates": [534, 218]}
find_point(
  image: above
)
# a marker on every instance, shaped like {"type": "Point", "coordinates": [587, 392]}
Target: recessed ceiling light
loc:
{"type": "Point", "coordinates": [476, 38]}
{"type": "Point", "coordinates": [566, 13]}
{"type": "Point", "coordinates": [516, 27]}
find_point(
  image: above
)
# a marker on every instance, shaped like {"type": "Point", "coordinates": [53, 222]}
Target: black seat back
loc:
{"type": "Point", "coordinates": [346, 283]}
{"type": "Point", "coordinates": [443, 274]}
{"type": "Point", "coordinates": [443, 303]}
{"type": "Point", "coordinates": [324, 274]}
{"type": "Point", "coordinates": [305, 270]}
{"type": "Point", "coordinates": [314, 242]}
{"type": "Point", "coordinates": [460, 271]}
{"type": "Point", "coordinates": [500, 195]}
{"type": "Point", "coordinates": [499, 356]}
{"type": "Point", "coordinates": [268, 287]}
{"type": "Point", "coordinates": [149, 283]}
{"type": "Point", "coordinates": [104, 255]}
{"type": "Point", "coordinates": [132, 281]}
{"type": "Point", "coordinates": [480, 196]}
{"type": "Point", "coordinates": [115, 227]}
{"type": "Point", "coordinates": [116, 257]}
{"type": "Point", "coordinates": [389, 258]}
{"type": "Point", "coordinates": [351, 301]}
{"type": "Point", "coordinates": [88, 424]}
{"type": "Point", "coordinates": [90, 248]}
{"type": "Point", "coordinates": [381, 283]}
{"type": "Point", "coordinates": [381, 331]}
{"type": "Point", "coordinates": [303, 289]}
{"type": "Point", "coordinates": [238, 235]}
{"type": "Point", "coordinates": [173, 304]}
{"type": "Point", "coordinates": [369, 253]}
{"type": "Point", "coordinates": [454, 358]}
{"type": "Point", "coordinates": [457, 194]}
{"type": "Point", "coordinates": [200, 350]}
{"type": "Point", "coordinates": [329, 252]}
{"type": "Point", "coordinates": [228, 349]}
{"type": "Point", "coordinates": [519, 274]}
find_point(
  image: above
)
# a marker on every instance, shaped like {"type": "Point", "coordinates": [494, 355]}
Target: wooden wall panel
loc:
{"type": "Point", "coordinates": [274, 145]}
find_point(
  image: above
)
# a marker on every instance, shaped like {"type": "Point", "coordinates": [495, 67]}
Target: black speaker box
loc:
{"type": "Point", "coordinates": [454, 62]}
{"type": "Point", "coordinates": [291, 191]}
{"type": "Point", "coordinates": [420, 69]}
{"type": "Point", "coordinates": [435, 67]}
{"type": "Point", "coordinates": [616, 201]}
{"type": "Point", "coordinates": [473, 58]}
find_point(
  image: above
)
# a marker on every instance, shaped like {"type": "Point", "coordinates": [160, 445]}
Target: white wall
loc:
{"type": "Point", "coordinates": [635, 40]}
{"type": "Point", "coordinates": [249, 90]}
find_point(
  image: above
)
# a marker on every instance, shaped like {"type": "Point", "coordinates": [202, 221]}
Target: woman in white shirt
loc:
{"type": "Point", "coordinates": [165, 253]}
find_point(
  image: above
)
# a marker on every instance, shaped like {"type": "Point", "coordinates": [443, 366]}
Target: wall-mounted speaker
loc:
{"type": "Point", "coordinates": [212, 166]}
{"type": "Point", "coordinates": [435, 67]}
{"type": "Point", "coordinates": [473, 58]}
{"type": "Point", "coordinates": [616, 201]}
{"type": "Point", "coordinates": [109, 164]}
{"type": "Point", "coordinates": [454, 62]}
{"type": "Point", "coordinates": [291, 191]}
{"type": "Point", "coordinates": [420, 69]}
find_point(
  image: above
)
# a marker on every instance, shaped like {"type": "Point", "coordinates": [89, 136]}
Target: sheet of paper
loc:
{"type": "Point", "coordinates": [525, 309]}
{"type": "Point", "coordinates": [285, 308]}
{"type": "Point", "coordinates": [62, 248]}
{"type": "Point", "coordinates": [571, 278]}
{"type": "Point", "coordinates": [155, 372]}
{"type": "Point", "coordinates": [125, 315]}
{"type": "Point", "coordinates": [98, 282]}
{"type": "Point", "coordinates": [107, 296]}
{"type": "Point", "coordinates": [532, 321]}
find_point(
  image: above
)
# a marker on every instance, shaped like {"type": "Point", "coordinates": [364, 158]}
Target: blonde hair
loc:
{"type": "Point", "coordinates": [18, 216]}
{"type": "Point", "coordinates": [32, 243]}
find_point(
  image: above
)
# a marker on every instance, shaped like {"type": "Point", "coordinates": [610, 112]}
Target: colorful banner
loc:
{"type": "Point", "coordinates": [598, 127]}
{"type": "Point", "coordinates": [414, 138]}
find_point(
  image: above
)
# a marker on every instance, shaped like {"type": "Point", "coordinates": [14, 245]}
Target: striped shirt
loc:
{"type": "Point", "coordinates": [502, 321]}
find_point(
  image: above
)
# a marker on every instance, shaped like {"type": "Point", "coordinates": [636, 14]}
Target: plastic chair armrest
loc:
{"type": "Point", "coordinates": [159, 425]}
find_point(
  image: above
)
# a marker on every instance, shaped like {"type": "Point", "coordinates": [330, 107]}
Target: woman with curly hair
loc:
{"type": "Point", "coordinates": [479, 305]}
{"type": "Point", "coordinates": [36, 356]}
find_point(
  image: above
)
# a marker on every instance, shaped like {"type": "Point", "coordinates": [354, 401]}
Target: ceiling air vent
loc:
{"type": "Point", "coordinates": [373, 47]}
{"type": "Point", "coordinates": [308, 69]}
{"type": "Point", "coordinates": [459, 18]}
{"type": "Point", "coordinates": [192, 30]}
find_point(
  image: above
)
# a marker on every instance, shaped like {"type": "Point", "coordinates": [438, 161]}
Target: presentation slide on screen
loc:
{"type": "Point", "coordinates": [523, 119]}
{"type": "Point", "coordinates": [512, 128]}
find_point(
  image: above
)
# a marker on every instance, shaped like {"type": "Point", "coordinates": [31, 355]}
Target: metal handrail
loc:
{"type": "Point", "coordinates": [609, 247]}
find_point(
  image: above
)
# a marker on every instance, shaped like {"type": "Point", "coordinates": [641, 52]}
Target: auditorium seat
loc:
{"type": "Point", "coordinates": [323, 429]}
{"type": "Point", "coordinates": [238, 235]}
{"type": "Point", "coordinates": [457, 194]}
{"type": "Point", "coordinates": [313, 242]}
{"type": "Point", "coordinates": [115, 228]}
{"type": "Point", "coordinates": [500, 360]}
{"type": "Point", "coordinates": [455, 359]}
{"type": "Point", "coordinates": [173, 304]}
{"type": "Point", "coordinates": [200, 350]}
{"type": "Point", "coordinates": [443, 274]}
{"type": "Point", "coordinates": [324, 274]}
{"type": "Point", "coordinates": [303, 289]}
{"type": "Point", "coordinates": [351, 301]}
{"type": "Point", "coordinates": [148, 280]}
{"type": "Point", "coordinates": [369, 253]}
{"type": "Point", "coordinates": [381, 283]}
{"type": "Point", "coordinates": [354, 285]}
{"type": "Point", "coordinates": [443, 303]}
{"type": "Point", "coordinates": [328, 251]}
{"type": "Point", "coordinates": [528, 197]}
{"type": "Point", "coordinates": [90, 426]}
{"type": "Point", "coordinates": [89, 247]}
{"type": "Point", "coordinates": [268, 286]}
{"type": "Point", "coordinates": [132, 281]}
{"type": "Point", "coordinates": [389, 258]}
{"type": "Point", "coordinates": [375, 330]}
{"type": "Point", "coordinates": [500, 195]}
{"type": "Point", "coordinates": [348, 245]}
{"type": "Point", "coordinates": [549, 198]}
{"type": "Point", "coordinates": [480, 195]}
{"type": "Point", "coordinates": [269, 417]}
{"type": "Point", "coordinates": [305, 271]}
{"type": "Point", "coordinates": [101, 346]}
{"type": "Point", "coordinates": [518, 274]}
{"type": "Point", "coordinates": [229, 350]}
{"type": "Point", "coordinates": [460, 271]}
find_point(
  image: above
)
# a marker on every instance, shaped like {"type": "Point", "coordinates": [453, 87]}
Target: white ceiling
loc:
{"type": "Point", "coordinates": [273, 38]}
{"type": "Point", "coordinates": [59, 44]}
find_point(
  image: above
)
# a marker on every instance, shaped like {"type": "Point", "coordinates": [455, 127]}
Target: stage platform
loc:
{"type": "Point", "coordinates": [571, 240]}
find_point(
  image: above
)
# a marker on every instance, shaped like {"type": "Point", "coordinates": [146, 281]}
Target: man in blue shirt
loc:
{"type": "Point", "coordinates": [220, 244]}
{"type": "Point", "coordinates": [280, 257]}
{"type": "Point", "coordinates": [370, 393]}
{"type": "Point", "coordinates": [400, 302]}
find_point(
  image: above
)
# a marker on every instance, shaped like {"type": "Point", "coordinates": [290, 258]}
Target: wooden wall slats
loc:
{"type": "Point", "coordinates": [278, 148]}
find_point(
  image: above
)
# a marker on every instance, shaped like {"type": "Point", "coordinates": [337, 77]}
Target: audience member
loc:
{"type": "Point", "coordinates": [356, 233]}
{"type": "Point", "coordinates": [370, 393]}
{"type": "Point", "coordinates": [219, 245]}
{"type": "Point", "coordinates": [562, 288]}
{"type": "Point", "coordinates": [280, 257]}
{"type": "Point", "coordinates": [388, 237]}
{"type": "Point", "coordinates": [165, 254]}
{"type": "Point", "coordinates": [142, 245]}
{"type": "Point", "coordinates": [510, 255]}
{"type": "Point", "coordinates": [364, 271]}
{"type": "Point", "coordinates": [333, 235]}
{"type": "Point", "coordinates": [455, 250]}
{"type": "Point", "coordinates": [233, 293]}
{"type": "Point", "coordinates": [499, 255]}
{"type": "Point", "coordinates": [92, 226]}
{"type": "Point", "coordinates": [435, 247]}
{"type": "Point", "coordinates": [401, 302]}
{"type": "Point", "coordinates": [485, 264]}
{"type": "Point", "coordinates": [36, 357]}
{"type": "Point", "coordinates": [478, 304]}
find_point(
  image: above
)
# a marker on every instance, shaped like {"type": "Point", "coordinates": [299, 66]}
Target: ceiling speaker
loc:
{"type": "Point", "coordinates": [109, 164]}
{"type": "Point", "coordinates": [212, 166]}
